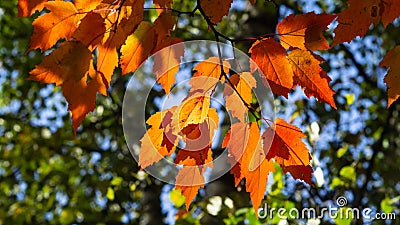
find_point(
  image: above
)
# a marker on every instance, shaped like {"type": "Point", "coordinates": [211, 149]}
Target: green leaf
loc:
{"type": "Point", "coordinates": [116, 181]}
{"type": "Point", "coordinates": [110, 193]}
{"type": "Point", "coordinates": [348, 172]}
{"type": "Point", "coordinates": [177, 198]}
{"type": "Point", "coordinates": [344, 216]}
{"type": "Point", "coordinates": [342, 151]}
{"type": "Point", "coordinates": [386, 205]}
{"type": "Point", "coordinates": [67, 216]}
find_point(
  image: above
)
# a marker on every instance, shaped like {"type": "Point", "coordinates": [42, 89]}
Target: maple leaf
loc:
{"type": "Point", "coordinates": [28, 7]}
{"type": "Point", "coordinates": [255, 167]}
{"type": "Point", "coordinates": [68, 62]}
{"type": "Point", "coordinates": [243, 84]}
{"type": "Point", "coordinates": [167, 61]}
{"type": "Point", "coordinates": [271, 58]}
{"type": "Point", "coordinates": [86, 5]}
{"type": "Point", "coordinates": [163, 3]}
{"type": "Point", "coordinates": [310, 76]}
{"type": "Point", "coordinates": [162, 26]}
{"type": "Point", "coordinates": [356, 19]}
{"type": "Point", "coordinates": [137, 47]}
{"type": "Point", "coordinates": [282, 141]}
{"type": "Point", "coordinates": [159, 140]}
{"type": "Point", "coordinates": [235, 163]}
{"type": "Point", "coordinates": [207, 74]}
{"type": "Point", "coordinates": [391, 60]}
{"type": "Point", "coordinates": [90, 30]}
{"type": "Point", "coordinates": [118, 29]}
{"type": "Point", "coordinates": [81, 95]}
{"type": "Point", "coordinates": [61, 22]}
{"type": "Point", "coordinates": [195, 109]}
{"type": "Point", "coordinates": [189, 179]}
{"type": "Point", "coordinates": [305, 31]}
{"type": "Point", "coordinates": [215, 9]}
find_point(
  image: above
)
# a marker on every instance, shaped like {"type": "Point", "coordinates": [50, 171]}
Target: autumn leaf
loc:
{"type": "Point", "coordinates": [392, 78]}
{"type": "Point", "coordinates": [282, 142]}
{"type": "Point", "coordinates": [207, 74]}
{"type": "Point", "coordinates": [90, 30]}
{"type": "Point", "coordinates": [162, 26]}
{"type": "Point", "coordinates": [61, 22]}
{"type": "Point", "coordinates": [255, 167]}
{"type": "Point", "coordinates": [194, 109]}
{"type": "Point", "coordinates": [305, 31]}
{"type": "Point", "coordinates": [356, 19]}
{"type": "Point", "coordinates": [137, 47]}
{"type": "Point", "coordinates": [215, 9]}
{"type": "Point", "coordinates": [237, 139]}
{"type": "Point", "coordinates": [189, 180]}
{"type": "Point", "coordinates": [118, 29]}
{"type": "Point", "coordinates": [159, 140]}
{"type": "Point", "coordinates": [243, 84]}
{"type": "Point", "coordinates": [68, 62]}
{"type": "Point", "coordinates": [235, 163]}
{"type": "Point", "coordinates": [391, 10]}
{"type": "Point", "coordinates": [167, 61]}
{"type": "Point", "coordinates": [81, 95]}
{"type": "Point", "coordinates": [310, 76]}
{"type": "Point", "coordinates": [271, 59]}
{"type": "Point", "coordinates": [86, 5]}
{"type": "Point", "coordinates": [28, 7]}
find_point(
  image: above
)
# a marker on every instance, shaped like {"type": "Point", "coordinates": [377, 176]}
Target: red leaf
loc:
{"type": "Point", "coordinates": [391, 60]}
{"type": "Point", "coordinates": [283, 142]}
{"type": "Point", "coordinates": [272, 60]}
{"type": "Point", "coordinates": [310, 76]}
{"type": "Point", "coordinates": [305, 31]}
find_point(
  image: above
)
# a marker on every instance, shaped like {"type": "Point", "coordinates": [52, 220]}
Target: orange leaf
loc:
{"type": "Point", "coordinates": [283, 142]}
{"type": "Point", "coordinates": [272, 60]}
{"type": "Point", "coordinates": [391, 10]}
{"type": "Point", "coordinates": [193, 110]}
{"type": "Point", "coordinates": [68, 62]}
{"type": "Point", "coordinates": [198, 139]}
{"type": "Point", "coordinates": [162, 26]}
{"type": "Point", "coordinates": [86, 5]}
{"type": "Point", "coordinates": [207, 73]}
{"type": "Point", "coordinates": [158, 140]}
{"type": "Point", "coordinates": [216, 9]}
{"type": "Point", "coordinates": [81, 95]}
{"type": "Point", "coordinates": [167, 61]}
{"type": "Point", "coordinates": [189, 179]}
{"type": "Point", "coordinates": [243, 84]}
{"type": "Point", "coordinates": [310, 76]}
{"type": "Point", "coordinates": [28, 7]}
{"type": "Point", "coordinates": [91, 30]}
{"type": "Point", "coordinates": [61, 22]}
{"type": "Point", "coordinates": [235, 163]}
{"type": "Point", "coordinates": [255, 167]}
{"type": "Point", "coordinates": [357, 18]}
{"type": "Point", "coordinates": [391, 60]}
{"type": "Point", "coordinates": [137, 47]}
{"type": "Point", "coordinates": [305, 31]}
{"type": "Point", "coordinates": [163, 3]}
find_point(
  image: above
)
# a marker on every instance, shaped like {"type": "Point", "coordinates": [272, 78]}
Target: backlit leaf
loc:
{"type": "Point", "coordinates": [310, 76]}
{"type": "Point", "coordinates": [271, 59]}
{"type": "Point", "coordinates": [305, 31]}
{"type": "Point", "coordinates": [392, 78]}
{"type": "Point", "coordinates": [283, 142]}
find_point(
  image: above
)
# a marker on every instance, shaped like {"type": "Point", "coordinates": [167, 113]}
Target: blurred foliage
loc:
{"type": "Point", "coordinates": [48, 176]}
